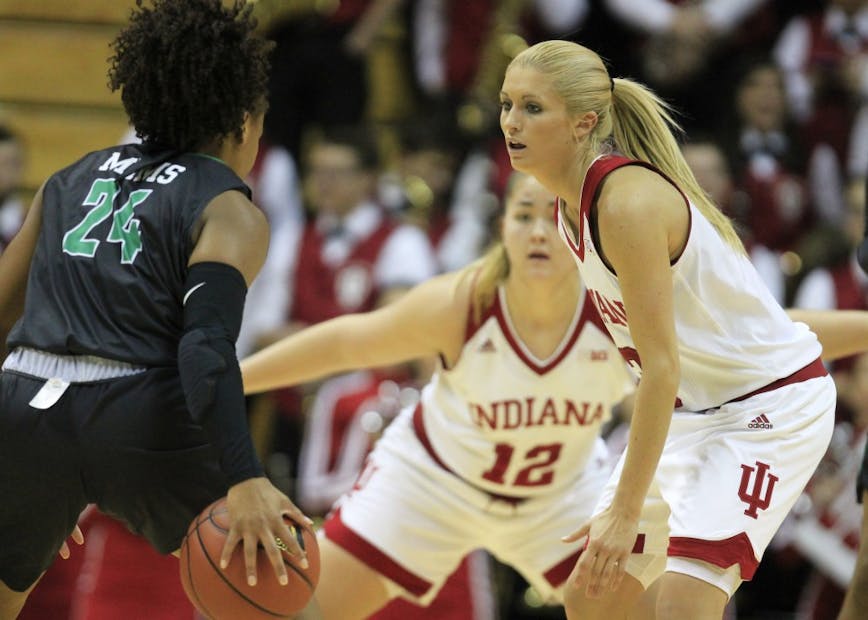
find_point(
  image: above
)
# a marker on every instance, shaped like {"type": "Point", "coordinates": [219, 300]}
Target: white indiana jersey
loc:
{"type": "Point", "coordinates": [733, 337]}
{"type": "Point", "coordinates": [514, 425]}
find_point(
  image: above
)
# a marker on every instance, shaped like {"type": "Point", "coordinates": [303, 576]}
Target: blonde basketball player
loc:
{"type": "Point", "coordinates": [734, 408]}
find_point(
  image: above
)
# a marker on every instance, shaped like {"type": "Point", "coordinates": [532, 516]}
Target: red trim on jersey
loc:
{"type": "Point", "coordinates": [591, 187]}
{"type": "Point", "coordinates": [812, 371]}
{"type": "Point", "coordinates": [422, 436]}
{"type": "Point", "coordinates": [340, 533]}
{"type": "Point", "coordinates": [559, 573]}
{"type": "Point", "coordinates": [587, 315]}
{"type": "Point", "coordinates": [723, 553]}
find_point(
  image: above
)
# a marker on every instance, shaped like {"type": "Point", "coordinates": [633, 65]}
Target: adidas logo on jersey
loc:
{"type": "Point", "coordinates": [761, 421]}
{"type": "Point", "coordinates": [487, 347]}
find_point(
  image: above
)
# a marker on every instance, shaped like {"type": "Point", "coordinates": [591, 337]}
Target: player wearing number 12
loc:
{"type": "Point", "coordinates": [122, 387]}
{"type": "Point", "coordinates": [502, 453]}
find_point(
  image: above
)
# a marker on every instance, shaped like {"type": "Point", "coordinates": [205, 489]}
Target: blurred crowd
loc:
{"type": "Point", "coordinates": [382, 165]}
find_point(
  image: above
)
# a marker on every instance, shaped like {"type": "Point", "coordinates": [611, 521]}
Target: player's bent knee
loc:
{"type": "Point", "coordinates": [335, 599]}
{"type": "Point", "coordinates": [616, 605]}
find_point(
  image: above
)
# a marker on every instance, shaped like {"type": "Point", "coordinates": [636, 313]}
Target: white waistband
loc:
{"type": "Point", "coordinates": [71, 368]}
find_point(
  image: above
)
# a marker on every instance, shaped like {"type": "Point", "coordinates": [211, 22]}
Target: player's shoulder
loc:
{"type": "Point", "coordinates": [629, 190]}
{"type": "Point", "coordinates": [447, 291]}
{"type": "Point", "coordinates": [233, 208]}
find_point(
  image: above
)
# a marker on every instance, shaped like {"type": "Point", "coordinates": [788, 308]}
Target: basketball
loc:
{"type": "Point", "coordinates": [224, 594]}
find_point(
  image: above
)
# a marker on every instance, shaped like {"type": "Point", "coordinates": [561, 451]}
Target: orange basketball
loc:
{"type": "Point", "coordinates": [224, 594]}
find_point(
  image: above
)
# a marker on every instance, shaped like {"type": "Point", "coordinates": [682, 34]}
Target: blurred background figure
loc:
{"type": "Point", "coordinates": [276, 188]}
{"type": "Point", "coordinates": [711, 168]}
{"type": "Point", "coordinates": [321, 52]}
{"type": "Point", "coordinates": [765, 157]}
{"type": "Point", "coordinates": [822, 53]}
{"type": "Point", "coordinates": [350, 251]}
{"type": "Point", "coordinates": [12, 207]}
{"type": "Point", "coordinates": [443, 187]}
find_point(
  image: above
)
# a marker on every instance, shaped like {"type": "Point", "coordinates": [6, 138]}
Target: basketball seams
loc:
{"type": "Point", "coordinates": [231, 585]}
{"type": "Point", "coordinates": [200, 603]}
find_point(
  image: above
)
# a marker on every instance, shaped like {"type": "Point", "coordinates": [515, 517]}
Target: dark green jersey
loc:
{"type": "Point", "coordinates": [108, 273]}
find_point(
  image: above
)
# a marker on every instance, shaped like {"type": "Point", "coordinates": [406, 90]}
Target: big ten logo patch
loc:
{"type": "Point", "coordinates": [756, 488]}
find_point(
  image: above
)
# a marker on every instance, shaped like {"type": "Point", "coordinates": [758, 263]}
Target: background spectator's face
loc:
{"type": "Point", "coordinates": [434, 167]}
{"type": "Point", "coordinates": [335, 180]}
{"type": "Point", "coordinates": [11, 167]}
{"type": "Point", "coordinates": [711, 171]}
{"type": "Point", "coordinates": [760, 100]}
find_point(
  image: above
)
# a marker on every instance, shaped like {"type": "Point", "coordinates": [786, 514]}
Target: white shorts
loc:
{"type": "Point", "coordinates": [729, 476]}
{"type": "Point", "coordinates": [413, 521]}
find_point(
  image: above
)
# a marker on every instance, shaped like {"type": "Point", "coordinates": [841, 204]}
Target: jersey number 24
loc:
{"type": "Point", "coordinates": [124, 229]}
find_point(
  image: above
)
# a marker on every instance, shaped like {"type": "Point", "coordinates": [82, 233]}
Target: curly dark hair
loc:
{"type": "Point", "coordinates": [188, 71]}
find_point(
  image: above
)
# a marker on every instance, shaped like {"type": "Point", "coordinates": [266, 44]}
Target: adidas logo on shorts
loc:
{"type": "Point", "coordinates": [761, 421]}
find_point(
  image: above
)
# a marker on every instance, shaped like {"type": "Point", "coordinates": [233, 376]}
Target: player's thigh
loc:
{"type": "Point", "coordinates": [685, 596]}
{"type": "Point", "coordinates": [41, 494]}
{"type": "Point", "coordinates": [615, 605]}
{"type": "Point", "coordinates": [348, 588]}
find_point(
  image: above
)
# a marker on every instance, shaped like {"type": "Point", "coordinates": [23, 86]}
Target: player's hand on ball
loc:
{"type": "Point", "coordinates": [77, 536]}
{"type": "Point", "coordinates": [602, 564]}
{"type": "Point", "coordinates": [256, 510]}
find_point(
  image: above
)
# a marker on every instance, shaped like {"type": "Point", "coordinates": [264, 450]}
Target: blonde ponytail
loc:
{"type": "Point", "coordinates": [486, 274]}
{"type": "Point", "coordinates": [642, 128]}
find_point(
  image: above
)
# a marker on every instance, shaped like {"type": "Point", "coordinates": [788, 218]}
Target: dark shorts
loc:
{"type": "Point", "coordinates": [127, 445]}
{"type": "Point", "coordinates": [862, 482]}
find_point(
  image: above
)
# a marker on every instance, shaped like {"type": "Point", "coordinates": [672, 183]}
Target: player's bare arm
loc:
{"type": "Point", "coordinates": [641, 222]}
{"type": "Point", "coordinates": [841, 332]}
{"type": "Point", "coordinates": [232, 231]}
{"type": "Point", "coordinates": [427, 320]}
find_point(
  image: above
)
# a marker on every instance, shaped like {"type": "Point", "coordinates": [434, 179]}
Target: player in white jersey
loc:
{"type": "Point", "coordinates": [753, 405]}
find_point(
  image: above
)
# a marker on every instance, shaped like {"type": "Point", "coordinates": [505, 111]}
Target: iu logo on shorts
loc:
{"type": "Point", "coordinates": [756, 499]}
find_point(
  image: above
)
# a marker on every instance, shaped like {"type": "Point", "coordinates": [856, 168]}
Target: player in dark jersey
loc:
{"type": "Point", "coordinates": [122, 386]}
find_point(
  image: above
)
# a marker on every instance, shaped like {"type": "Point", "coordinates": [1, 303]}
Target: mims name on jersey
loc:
{"type": "Point", "coordinates": [531, 411]}
{"type": "Point", "coordinates": [164, 173]}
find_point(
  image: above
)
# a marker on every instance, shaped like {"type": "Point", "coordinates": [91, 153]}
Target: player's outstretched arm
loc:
{"type": "Point", "coordinates": [427, 320]}
{"type": "Point", "coordinates": [841, 332]}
